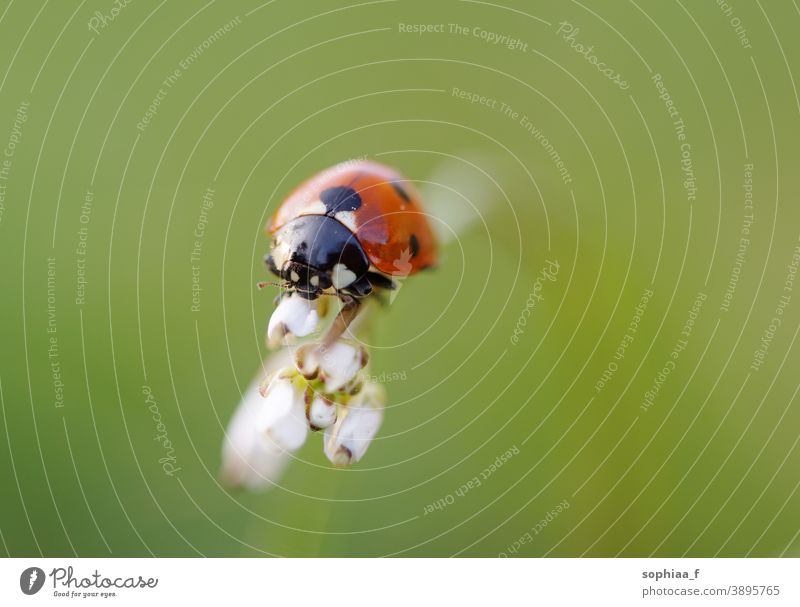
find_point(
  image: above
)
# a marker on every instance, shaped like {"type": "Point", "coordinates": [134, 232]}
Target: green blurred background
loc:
{"type": "Point", "coordinates": [709, 467]}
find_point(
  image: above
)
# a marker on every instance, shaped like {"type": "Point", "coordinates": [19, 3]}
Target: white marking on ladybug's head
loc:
{"type": "Point", "coordinates": [317, 208]}
{"type": "Point", "coordinates": [294, 276]}
{"type": "Point", "coordinates": [346, 218]}
{"type": "Point", "coordinates": [314, 280]}
{"type": "Point", "coordinates": [280, 253]}
{"type": "Point", "coordinates": [341, 276]}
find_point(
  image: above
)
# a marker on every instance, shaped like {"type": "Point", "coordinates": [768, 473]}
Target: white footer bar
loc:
{"type": "Point", "coordinates": [406, 582]}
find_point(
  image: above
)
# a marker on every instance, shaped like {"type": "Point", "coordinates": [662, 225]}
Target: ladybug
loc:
{"type": "Point", "coordinates": [348, 231]}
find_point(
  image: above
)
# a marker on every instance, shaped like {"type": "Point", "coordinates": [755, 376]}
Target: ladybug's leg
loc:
{"type": "Point", "coordinates": [360, 288]}
{"type": "Point", "coordinates": [343, 319]}
{"type": "Point", "coordinates": [381, 281]}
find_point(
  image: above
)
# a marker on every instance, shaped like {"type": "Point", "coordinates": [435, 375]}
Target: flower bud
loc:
{"type": "Point", "coordinates": [339, 363]}
{"type": "Point", "coordinates": [294, 315]}
{"type": "Point", "coordinates": [282, 417]}
{"type": "Point", "coordinates": [347, 440]}
{"type": "Point", "coordinates": [321, 412]}
{"type": "Point", "coordinates": [247, 459]}
{"type": "Point", "coordinates": [307, 361]}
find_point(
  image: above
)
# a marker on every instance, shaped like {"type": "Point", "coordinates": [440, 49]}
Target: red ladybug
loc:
{"type": "Point", "coordinates": [349, 230]}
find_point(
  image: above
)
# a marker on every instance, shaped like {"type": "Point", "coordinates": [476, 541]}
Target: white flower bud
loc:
{"type": "Point", "coordinates": [282, 416]}
{"type": "Point", "coordinates": [339, 364]}
{"type": "Point", "coordinates": [347, 440]}
{"type": "Point", "coordinates": [294, 315]}
{"type": "Point", "coordinates": [321, 412]}
{"type": "Point", "coordinates": [247, 459]}
{"type": "Point", "coordinates": [306, 360]}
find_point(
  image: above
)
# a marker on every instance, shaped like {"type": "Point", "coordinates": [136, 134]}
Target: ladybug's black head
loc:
{"type": "Point", "coordinates": [317, 253]}
{"type": "Point", "coordinates": [306, 280]}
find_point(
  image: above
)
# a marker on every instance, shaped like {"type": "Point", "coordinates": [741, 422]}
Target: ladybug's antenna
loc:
{"type": "Point", "coordinates": [270, 283]}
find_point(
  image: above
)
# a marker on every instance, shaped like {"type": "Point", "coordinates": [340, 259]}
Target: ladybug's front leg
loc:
{"type": "Point", "coordinates": [346, 315]}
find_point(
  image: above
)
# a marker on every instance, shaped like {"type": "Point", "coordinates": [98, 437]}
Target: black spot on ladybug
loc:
{"type": "Point", "coordinates": [400, 190]}
{"type": "Point", "coordinates": [340, 199]}
{"type": "Point", "coordinates": [413, 242]}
